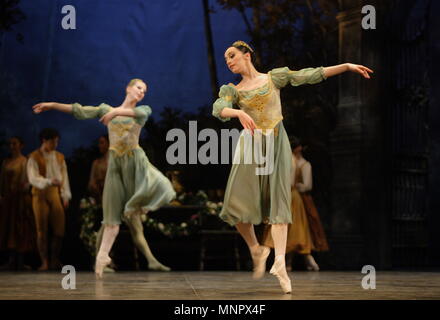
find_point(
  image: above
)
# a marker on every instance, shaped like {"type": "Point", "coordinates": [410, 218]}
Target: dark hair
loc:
{"type": "Point", "coordinates": [48, 134]}
{"type": "Point", "coordinates": [294, 142]}
{"type": "Point", "coordinates": [20, 139]}
{"type": "Point", "coordinates": [245, 48]}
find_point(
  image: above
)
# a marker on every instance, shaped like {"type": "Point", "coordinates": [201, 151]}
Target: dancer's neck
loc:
{"type": "Point", "coordinates": [128, 103]}
{"type": "Point", "coordinates": [250, 74]}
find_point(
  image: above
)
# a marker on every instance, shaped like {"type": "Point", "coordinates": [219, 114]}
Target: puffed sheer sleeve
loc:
{"type": "Point", "coordinates": [283, 76]}
{"type": "Point", "coordinates": [87, 112]}
{"type": "Point", "coordinates": [227, 99]}
{"type": "Point", "coordinates": [141, 114]}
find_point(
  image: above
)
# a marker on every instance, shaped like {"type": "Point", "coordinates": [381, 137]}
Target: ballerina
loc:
{"type": "Point", "coordinates": [249, 198]}
{"type": "Point", "coordinates": [96, 188]}
{"type": "Point", "coordinates": [132, 184]}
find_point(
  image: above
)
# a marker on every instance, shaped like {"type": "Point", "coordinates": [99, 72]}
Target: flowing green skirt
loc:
{"type": "Point", "coordinates": [133, 185]}
{"type": "Point", "coordinates": [255, 198]}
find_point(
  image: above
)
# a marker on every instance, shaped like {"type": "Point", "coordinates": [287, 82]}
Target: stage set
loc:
{"type": "Point", "coordinates": [118, 179]}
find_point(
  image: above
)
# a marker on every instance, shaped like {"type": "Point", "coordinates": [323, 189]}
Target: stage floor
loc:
{"type": "Point", "coordinates": [213, 285]}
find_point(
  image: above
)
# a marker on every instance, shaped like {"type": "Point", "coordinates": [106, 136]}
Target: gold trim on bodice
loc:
{"type": "Point", "coordinates": [124, 136]}
{"type": "Point", "coordinates": [264, 109]}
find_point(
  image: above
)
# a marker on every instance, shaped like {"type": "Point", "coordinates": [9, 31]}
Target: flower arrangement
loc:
{"type": "Point", "coordinates": [191, 226]}
{"type": "Point", "coordinates": [91, 214]}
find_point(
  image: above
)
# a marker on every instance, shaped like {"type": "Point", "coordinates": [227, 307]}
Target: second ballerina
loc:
{"type": "Point", "coordinates": [132, 184]}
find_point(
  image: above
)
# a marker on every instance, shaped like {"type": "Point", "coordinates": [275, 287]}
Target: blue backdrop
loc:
{"type": "Point", "coordinates": [162, 42]}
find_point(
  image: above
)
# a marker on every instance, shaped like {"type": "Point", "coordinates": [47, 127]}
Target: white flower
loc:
{"type": "Point", "coordinates": [83, 204]}
{"type": "Point", "coordinates": [183, 225]}
{"type": "Point", "coordinates": [211, 205]}
{"type": "Point", "coordinates": [161, 226]}
{"type": "Point", "coordinates": [202, 194]}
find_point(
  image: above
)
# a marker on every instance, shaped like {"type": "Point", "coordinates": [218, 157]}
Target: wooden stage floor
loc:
{"type": "Point", "coordinates": [212, 285]}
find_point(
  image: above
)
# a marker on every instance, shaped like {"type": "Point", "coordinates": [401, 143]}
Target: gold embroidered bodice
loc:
{"type": "Point", "coordinates": [123, 133]}
{"type": "Point", "coordinates": [263, 105]}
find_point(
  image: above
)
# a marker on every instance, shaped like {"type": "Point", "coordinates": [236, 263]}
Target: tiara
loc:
{"type": "Point", "coordinates": [242, 43]}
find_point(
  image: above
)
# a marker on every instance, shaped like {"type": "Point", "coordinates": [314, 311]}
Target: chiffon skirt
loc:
{"type": "Point", "coordinates": [256, 198]}
{"type": "Point", "coordinates": [133, 185]}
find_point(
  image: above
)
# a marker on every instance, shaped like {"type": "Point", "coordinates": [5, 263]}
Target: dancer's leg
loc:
{"type": "Point", "coordinates": [279, 235]}
{"type": "Point", "coordinates": [57, 222]}
{"type": "Point", "coordinates": [111, 267]}
{"type": "Point", "coordinates": [99, 239]}
{"type": "Point", "coordinates": [41, 213]}
{"type": "Point", "coordinates": [259, 253]}
{"type": "Point", "coordinates": [136, 228]}
{"type": "Point", "coordinates": [102, 258]}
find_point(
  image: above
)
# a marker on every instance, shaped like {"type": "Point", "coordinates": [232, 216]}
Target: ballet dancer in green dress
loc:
{"type": "Point", "coordinates": [132, 184]}
{"type": "Point", "coordinates": [250, 198]}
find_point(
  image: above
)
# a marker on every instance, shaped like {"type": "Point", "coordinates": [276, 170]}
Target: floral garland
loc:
{"type": "Point", "coordinates": [91, 213]}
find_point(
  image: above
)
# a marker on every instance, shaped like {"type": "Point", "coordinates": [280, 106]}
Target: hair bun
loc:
{"type": "Point", "coordinates": [242, 43]}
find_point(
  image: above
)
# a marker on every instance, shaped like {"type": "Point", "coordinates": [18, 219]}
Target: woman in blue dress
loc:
{"type": "Point", "coordinates": [132, 184]}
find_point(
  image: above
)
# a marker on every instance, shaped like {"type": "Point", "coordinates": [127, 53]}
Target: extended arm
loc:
{"type": "Point", "coordinates": [341, 68]}
{"type": "Point", "coordinates": [46, 106]}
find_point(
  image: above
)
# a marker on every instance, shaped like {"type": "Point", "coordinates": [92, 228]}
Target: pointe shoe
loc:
{"type": "Point", "coordinates": [158, 267]}
{"type": "Point", "coordinates": [259, 261]}
{"type": "Point", "coordinates": [100, 265]}
{"type": "Point", "coordinates": [283, 278]}
{"type": "Point", "coordinates": [311, 264]}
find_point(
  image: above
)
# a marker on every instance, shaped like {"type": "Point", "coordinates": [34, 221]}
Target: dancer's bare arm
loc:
{"type": "Point", "coordinates": [46, 106]}
{"type": "Point", "coordinates": [117, 112]}
{"type": "Point", "coordinates": [341, 68]}
{"type": "Point", "coordinates": [246, 121]}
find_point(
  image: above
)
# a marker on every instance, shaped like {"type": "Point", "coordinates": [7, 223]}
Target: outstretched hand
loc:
{"type": "Point", "coordinates": [41, 107]}
{"type": "Point", "coordinates": [357, 68]}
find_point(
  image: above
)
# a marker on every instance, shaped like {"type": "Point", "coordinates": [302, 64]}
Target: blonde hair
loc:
{"type": "Point", "coordinates": [133, 81]}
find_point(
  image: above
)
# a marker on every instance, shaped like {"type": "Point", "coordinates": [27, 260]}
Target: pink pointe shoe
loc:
{"type": "Point", "coordinates": [259, 261]}
{"type": "Point", "coordinates": [100, 265]}
{"type": "Point", "coordinates": [279, 270]}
